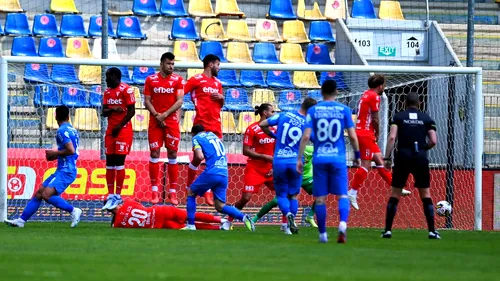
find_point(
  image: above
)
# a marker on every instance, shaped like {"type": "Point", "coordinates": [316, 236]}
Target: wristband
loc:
{"type": "Point", "coordinates": [193, 167]}
{"type": "Point", "coordinates": [388, 159]}
{"type": "Point", "coordinates": [357, 154]}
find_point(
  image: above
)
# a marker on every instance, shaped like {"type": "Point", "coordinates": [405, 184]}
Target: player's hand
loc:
{"type": "Point", "coordinates": [216, 97]}
{"type": "Point", "coordinates": [300, 167]}
{"type": "Point", "coordinates": [268, 158]}
{"type": "Point", "coordinates": [269, 174]}
{"type": "Point", "coordinates": [356, 162]}
{"type": "Point", "coordinates": [117, 109]}
{"type": "Point", "coordinates": [50, 155]}
{"type": "Point", "coordinates": [160, 120]}
{"type": "Point", "coordinates": [388, 164]}
{"type": "Point", "coordinates": [115, 131]}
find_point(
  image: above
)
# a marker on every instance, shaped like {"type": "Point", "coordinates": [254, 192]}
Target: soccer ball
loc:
{"type": "Point", "coordinates": [443, 208]}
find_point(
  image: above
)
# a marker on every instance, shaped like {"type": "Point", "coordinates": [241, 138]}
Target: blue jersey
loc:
{"type": "Point", "coordinates": [66, 133]}
{"type": "Point", "coordinates": [214, 152]}
{"type": "Point", "coordinates": [288, 136]}
{"type": "Point", "coordinates": [328, 120]}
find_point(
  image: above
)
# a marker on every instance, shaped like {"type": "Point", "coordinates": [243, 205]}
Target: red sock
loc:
{"type": "Point", "coordinates": [359, 178]}
{"type": "Point", "coordinates": [230, 219]}
{"type": "Point", "coordinates": [192, 170]}
{"type": "Point", "coordinates": [284, 219]}
{"type": "Point", "coordinates": [110, 179]}
{"type": "Point", "coordinates": [206, 226]}
{"type": "Point", "coordinates": [154, 170]}
{"type": "Point", "coordinates": [120, 177]}
{"type": "Point", "coordinates": [202, 217]}
{"type": "Point", "coordinates": [173, 174]}
{"type": "Point", "coordinates": [385, 174]}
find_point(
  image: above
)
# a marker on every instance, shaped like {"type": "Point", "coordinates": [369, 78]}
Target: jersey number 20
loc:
{"type": "Point", "coordinates": [138, 217]}
{"type": "Point", "coordinates": [328, 130]}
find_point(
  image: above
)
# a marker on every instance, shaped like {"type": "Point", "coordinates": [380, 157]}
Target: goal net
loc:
{"type": "Point", "coordinates": [36, 86]}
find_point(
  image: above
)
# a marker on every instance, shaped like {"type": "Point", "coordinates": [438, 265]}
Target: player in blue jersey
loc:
{"type": "Point", "coordinates": [66, 154]}
{"type": "Point", "coordinates": [207, 146]}
{"type": "Point", "coordinates": [326, 122]}
{"type": "Point", "coordinates": [287, 181]}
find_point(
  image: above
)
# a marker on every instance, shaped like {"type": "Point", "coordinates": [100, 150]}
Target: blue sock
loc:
{"type": "Point", "coordinates": [294, 206]}
{"type": "Point", "coordinates": [284, 205]}
{"type": "Point", "coordinates": [232, 212]}
{"type": "Point", "coordinates": [320, 211]}
{"type": "Point", "coordinates": [60, 203]}
{"type": "Point", "coordinates": [191, 209]}
{"type": "Point", "coordinates": [31, 208]}
{"type": "Point", "coordinates": [344, 208]}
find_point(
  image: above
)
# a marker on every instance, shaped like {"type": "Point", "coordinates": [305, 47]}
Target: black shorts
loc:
{"type": "Point", "coordinates": [404, 165]}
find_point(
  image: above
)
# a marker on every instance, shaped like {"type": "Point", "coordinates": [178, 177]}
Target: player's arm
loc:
{"type": "Point", "coordinates": [269, 122]}
{"type": "Point", "coordinates": [68, 150]}
{"type": "Point", "coordinates": [147, 98]}
{"type": "Point", "coordinates": [391, 140]}
{"type": "Point", "coordinates": [353, 138]}
{"type": "Point", "coordinates": [306, 137]}
{"type": "Point", "coordinates": [219, 97]}
{"type": "Point", "coordinates": [178, 103]}
{"type": "Point", "coordinates": [107, 110]}
{"type": "Point", "coordinates": [431, 134]}
{"type": "Point", "coordinates": [374, 108]}
{"type": "Point", "coordinates": [248, 144]}
{"type": "Point", "coordinates": [198, 157]}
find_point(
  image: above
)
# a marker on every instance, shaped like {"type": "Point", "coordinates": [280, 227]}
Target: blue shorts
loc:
{"type": "Point", "coordinates": [330, 179]}
{"type": "Point", "coordinates": [286, 179]}
{"type": "Point", "coordinates": [217, 183]}
{"type": "Point", "coordinates": [60, 181]}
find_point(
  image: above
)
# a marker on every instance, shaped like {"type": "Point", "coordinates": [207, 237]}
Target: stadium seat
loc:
{"type": "Point", "coordinates": [34, 72]}
{"type": "Point", "coordinates": [50, 120]}
{"type": "Point", "coordinates": [184, 28]}
{"type": "Point", "coordinates": [187, 103]}
{"type": "Point", "coordinates": [212, 29]}
{"type": "Point", "coordinates": [10, 6]}
{"type": "Point", "coordinates": [78, 48]}
{"type": "Point", "coordinates": [173, 8]}
{"type": "Point", "coordinates": [95, 96]}
{"type": "Point", "coordinates": [63, 6]}
{"type": "Point", "coordinates": [321, 31]}
{"type": "Point", "coordinates": [186, 51]}
{"type": "Point", "coordinates": [64, 73]}
{"type": "Point", "coordinates": [267, 31]}
{"type": "Point", "coordinates": [145, 8]}
{"type": "Point", "coordinates": [228, 78]}
{"type": "Point", "coordinates": [318, 54]}
{"type": "Point", "coordinates": [187, 122]}
{"type": "Point", "coordinates": [238, 52]}
{"type": "Point", "coordinates": [289, 100]}
{"type": "Point", "coordinates": [125, 74]}
{"type": "Point", "coordinates": [390, 10]}
{"type": "Point", "coordinates": [86, 119]}
{"type": "Point", "coordinates": [95, 27]}
{"type": "Point", "coordinates": [228, 8]}
{"type": "Point", "coordinates": [315, 94]}
{"type": "Point", "coordinates": [193, 71]}
{"type": "Point", "coordinates": [89, 74]}
{"type": "Point", "coordinates": [246, 119]}
{"type": "Point", "coordinates": [294, 32]}
{"type": "Point", "coordinates": [50, 47]}
{"type": "Point", "coordinates": [305, 80]}
{"type": "Point", "coordinates": [208, 47]}
{"type": "Point", "coordinates": [260, 96]}
{"type": "Point", "coordinates": [112, 50]}
{"type": "Point", "coordinates": [265, 53]}
{"type": "Point", "coordinates": [140, 121]}
{"type": "Point", "coordinates": [237, 30]}
{"type": "Point", "coordinates": [46, 95]}
{"type": "Point", "coordinates": [281, 9]}
{"type": "Point", "coordinates": [335, 9]}
{"type": "Point", "coordinates": [24, 46]}
{"type": "Point", "coordinates": [237, 100]}
{"type": "Point", "coordinates": [201, 8]}
{"type": "Point", "coordinates": [74, 97]}
{"type": "Point", "coordinates": [279, 79]}
{"type": "Point", "coordinates": [140, 74]}
{"type": "Point", "coordinates": [17, 24]}
{"type": "Point", "coordinates": [314, 14]}
{"type": "Point", "coordinates": [291, 53]}
{"type": "Point", "coordinates": [337, 76]}
{"type": "Point", "coordinates": [139, 98]}
{"type": "Point", "coordinates": [228, 123]}
{"type": "Point", "coordinates": [72, 25]}
{"type": "Point", "coordinates": [363, 9]}
{"type": "Point", "coordinates": [129, 27]}
{"type": "Point", "coordinates": [1, 31]}
{"type": "Point", "coordinates": [45, 25]}
{"type": "Point", "coordinates": [252, 78]}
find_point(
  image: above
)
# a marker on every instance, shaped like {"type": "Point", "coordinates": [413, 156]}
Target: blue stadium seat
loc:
{"type": "Point", "coordinates": [251, 78]}
{"type": "Point", "coordinates": [173, 8]}
{"type": "Point", "coordinates": [279, 79]}
{"type": "Point", "coordinates": [95, 27]}
{"type": "Point", "coordinates": [1, 31]}
{"type": "Point", "coordinates": [75, 97]}
{"type": "Point", "coordinates": [64, 73]}
{"type": "Point", "coordinates": [289, 100]}
{"type": "Point", "coordinates": [315, 94]}
{"type": "Point", "coordinates": [125, 75]}
{"type": "Point", "coordinates": [129, 27]}
{"type": "Point", "coordinates": [363, 9]}
{"type": "Point", "coordinates": [46, 95]}
{"type": "Point", "coordinates": [228, 78]}
{"type": "Point", "coordinates": [18, 98]}
{"type": "Point", "coordinates": [187, 103]}
{"type": "Point", "coordinates": [265, 53]}
{"type": "Point", "coordinates": [184, 28]}
{"type": "Point", "coordinates": [281, 9]}
{"type": "Point", "coordinates": [237, 100]}
{"type": "Point", "coordinates": [210, 47]}
{"type": "Point", "coordinates": [34, 72]}
{"type": "Point", "coordinates": [140, 74]}
{"type": "Point", "coordinates": [321, 31]}
{"type": "Point", "coordinates": [337, 76]}
{"type": "Point", "coordinates": [95, 96]}
{"type": "Point", "coordinates": [318, 54]}
{"type": "Point", "coordinates": [50, 47]}
{"type": "Point", "coordinates": [45, 25]}
{"type": "Point", "coordinates": [73, 26]}
{"type": "Point", "coordinates": [145, 8]}
{"type": "Point", "coordinates": [24, 46]}
{"type": "Point", "coordinates": [17, 24]}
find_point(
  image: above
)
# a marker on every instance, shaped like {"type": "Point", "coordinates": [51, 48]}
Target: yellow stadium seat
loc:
{"type": "Point", "coordinates": [291, 53]}
{"type": "Point", "coordinates": [86, 119]}
{"type": "Point", "coordinates": [390, 10]}
{"type": "Point", "coordinates": [246, 119]}
{"type": "Point", "coordinates": [238, 30]}
{"type": "Point", "coordinates": [335, 9]}
{"type": "Point", "coordinates": [187, 122]}
{"type": "Point", "coordinates": [78, 48]}
{"type": "Point", "coordinates": [139, 100]}
{"type": "Point", "coordinates": [263, 96]}
{"type": "Point", "coordinates": [294, 32]}
{"type": "Point", "coordinates": [267, 31]}
{"type": "Point", "coordinates": [314, 14]}
{"type": "Point", "coordinates": [228, 8]}
{"type": "Point", "coordinates": [10, 6]}
{"type": "Point", "coordinates": [305, 79]}
{"type": "Point", "coordinates": [193, 71]}
{"type": "Point", "coordinates": [89, 74]}
{"type": "Point", "coordinates": [238, 52]}
{"type": "Point", "coordinates": [186, 51]}
{"type": "Point", "coordinates": [63, 6]}
{"type": "Point", "coordinates": [228, 123]}
{"type": "Point", "coordinates": [213, 30]}
{"type": "Point", "coordinates": [140, 121]}
{"type": "Point", "coordinates": [50, 121]}
{"type": "Point", "coordinates": [201, 8]}
{"type": "Point", "coordinates": [112, 50]}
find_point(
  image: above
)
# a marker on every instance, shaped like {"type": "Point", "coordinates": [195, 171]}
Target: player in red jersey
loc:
{"type": "Point", "coordinates": [163, 96]}
{"type": "Point", "coordinates": [119, 107]}
{"type": "Point", "coordinates": [367, 131]}
{"type": "Point", "coordinates": [206, 93]}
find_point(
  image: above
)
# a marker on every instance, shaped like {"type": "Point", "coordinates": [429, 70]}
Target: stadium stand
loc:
{"type": "Point", "coordinates": [212, 29]}
{"type": "Point", "coordinates": [95, 27]}
{"type": "Point", "coordinates": [305, 80]}
{"type": "Point", "coordinates": [267, 31]}
{"type": "Point", "coordinates": [185, 29]}
{"type": "Point", "coordinates": [238, 30]}
{"type": "Point", "coordinates": [335, 9]}
{"type": "Point", "coordinates": [265, 53]}
{"type": "Point", "coordinates": [46, 95]}
{"type": "Point", "coordinates": [78, 48]}
{"type": "Point", "coordinates": [24, 46]}
{"type": "Point", "coordinates": [74, 97]}
{"type": "Point", "coordinates": [229, 78]}
{"type": "Point", "coordinates": [252, 78]}
{"type": "Point", "coordinates": [363, 9]}
{"type": "Point", "coordinates": [291, 53]}
{"type": "Point", "coordinates": [63, 6]}
{"type": "Point", "coordinates": [236, 99]}
{"type": "Point", "coordinates": [294, 32]}
{"type": "Point", "coordinates": [129, 27]}
{"type": "Point", "coordinates": [140, 74]}
{"type": "Point", "coordinates": [17, 24]}
{"type": "Point", "coordinates": [64, 74]}
{"type": "Point", "coordinates": [186, 51]}
{"type": "Point", "coordinates": [304, 14]}
{"type": "Point", "coordinates": [34, 72]}
{"type": "Point", "coordinates": [86, 119]}
{"type": "Point", "coordinates": [228, 8]}
{"type": "Point", "coordinates": [73, 26]}
{"type": "Point", "coordinates": [145, 8]}
{"type": "Point", "coordinates": [171, 8]}
{"type": "Point", "coordinates": [45, 25]}
{"type": "Point", "coordinates": [279, 79]}
{"type": "Point", "coordinates": [238, 52]}
{"type": "Point", "coordinates": [215, 48]}
{"type": "Point", "coordinates": [112, 49]}
{"type": "Point", "coordinates": [10, 6]}
{"type": "Point", "coordinates": [201, 8]}
{"type": "Point", "coordinates": [281, 9]}
{"type": "Point", "coordinates": [318, 54]}
{"type": "Point", "coordinates": [289, 100]}
{"type": "Point", "coordinates": [321, 31]}
{"type": "Point", "coordinates": [390, 10]}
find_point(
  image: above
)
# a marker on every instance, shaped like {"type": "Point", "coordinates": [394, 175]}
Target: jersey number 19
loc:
{"type": "Point", "coordinates": [293, 133]}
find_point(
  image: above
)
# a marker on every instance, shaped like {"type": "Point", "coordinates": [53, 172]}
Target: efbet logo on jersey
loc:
{"type": "Point", "coordinates": [162, 90]}
{"type": "Point", "coordinates": [114, 101]}
{"type": "Point", "coordinates": [266, 141]}
{"type": "Point", "coordinates": [210, 90]}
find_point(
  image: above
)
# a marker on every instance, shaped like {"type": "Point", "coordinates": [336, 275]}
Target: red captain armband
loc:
{"type": "Point", "coordinates": [357, 154]}
{"type": "Point", "coordinates": [192, 171]}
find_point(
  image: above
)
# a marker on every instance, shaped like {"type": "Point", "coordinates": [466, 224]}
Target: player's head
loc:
{"type": "Point", "coordinates": [307, 103]}
{"type": "Point", "coordinates": [377, 83]}
{"type": "Point", "coordinates": [412, 100]}
{"type": "Point", "coordinates": [167, 63]}
{"type": "Point", "coordinates": [329, 89]}
{"type": "Point", "coordinates": [212, 62]}
{"type": "Point", "coordinates": [264, 110]}
{"type": "Point", "coordinates": [113, 77]}
{"type": "Point", "coordinates": [62, 114]}
{"type": "Point", "coordinates": [198, 128]}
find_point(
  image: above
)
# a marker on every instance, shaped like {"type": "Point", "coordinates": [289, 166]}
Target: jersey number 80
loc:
{"type": "Point", "coordinates": [328, 130]}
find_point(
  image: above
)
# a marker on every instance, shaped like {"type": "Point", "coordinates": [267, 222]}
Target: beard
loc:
{"type": "Point", "coordinates": [214, 72]}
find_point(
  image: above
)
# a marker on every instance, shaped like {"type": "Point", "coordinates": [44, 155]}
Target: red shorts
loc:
{"type": "Point", "coordinates": [367, 147]}
{"type": "Point", "coordinates": [120, 145]}
{"type": "Point", "coordinates": [170, 136]}
{"type": "Point", "coordinates": [255, 178]}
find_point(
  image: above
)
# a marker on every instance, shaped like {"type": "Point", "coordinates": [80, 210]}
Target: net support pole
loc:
{"type": "Point", "coordinates": [427, 13]}
{"type": "Point", "coordinates": [450, 148]}
{"type": "Point", "coordinates": [3, 138]}
{"type": "Point", "coordinates": [470, 33]}
{"type": "Point", "coordinates": [384, 123]}
{"type": "Point", "coordinates": [478, 152]}
{"type": "Point", "coordinates": [104, 55]}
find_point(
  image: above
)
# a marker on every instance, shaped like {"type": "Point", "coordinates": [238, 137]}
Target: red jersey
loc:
{"type": "Point", "coordinates": [133, 214]}
{"type": "Point", "coordinates": [208, 111]}
{"type": "Point", "coordinates": [163, 93]}
{"type": "Point", "coordinates": [121, 96]}
{"type": "Point", "coordinates": [261, 143]}
{"type": "Point", "coordinates": [368, 103]}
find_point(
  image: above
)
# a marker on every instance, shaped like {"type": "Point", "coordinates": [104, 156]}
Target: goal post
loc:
{"type": "Point", "coordinates": [431, 81]}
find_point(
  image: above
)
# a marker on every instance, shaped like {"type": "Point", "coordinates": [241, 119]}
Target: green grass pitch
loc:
{"type": "Point", "coordinates": [93, 251]}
